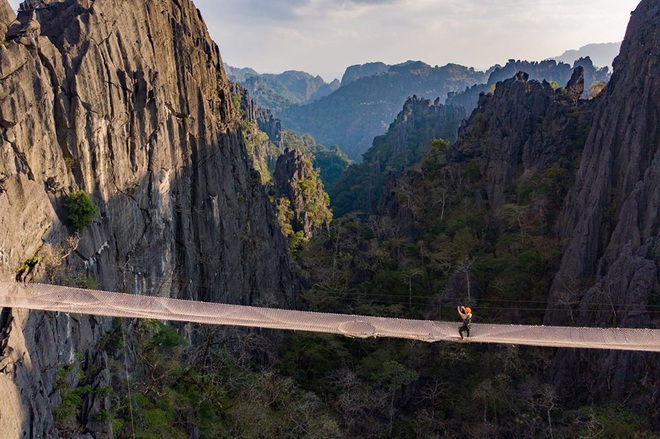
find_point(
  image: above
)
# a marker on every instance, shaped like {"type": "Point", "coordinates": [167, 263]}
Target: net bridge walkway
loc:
{"type": "Point", "coordinates": [82, 301]}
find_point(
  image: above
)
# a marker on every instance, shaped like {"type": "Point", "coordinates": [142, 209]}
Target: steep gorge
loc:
{"type": "Point", "coordinates": [135, 109]}
{"type": "Point", "coordinates": [183, 212]}
{"type": "Point", "coordinates": [577, 180]}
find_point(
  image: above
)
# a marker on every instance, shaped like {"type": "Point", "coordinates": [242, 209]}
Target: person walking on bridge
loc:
{"type": "Point", "coordinates": [466, 314]}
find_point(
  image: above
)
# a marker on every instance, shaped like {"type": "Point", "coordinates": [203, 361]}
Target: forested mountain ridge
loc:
{"type": "Point", "coordinates": [525, 128]}
{"type": "Point", "coordinates": [294, 103]}
{"type": "Point", "coordinates": [357, 112]}
{"type": "Point", "coordinates": [279, 91]}
{"type": "Point", "coordinates": [556, 73]}
{"type": "Point", "coordinates": [403, 145]}
{"type": "Point", "coordinates": [371, 95]}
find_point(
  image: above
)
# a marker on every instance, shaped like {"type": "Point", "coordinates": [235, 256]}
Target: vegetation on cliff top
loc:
{"type": "Point", "coordinates": [356, 113]}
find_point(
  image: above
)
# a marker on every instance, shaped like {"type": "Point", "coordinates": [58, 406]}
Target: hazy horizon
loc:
{"type": "Point", "coordinates": [479, 68]}
{"type": "Point", "coordinates": [323, 37]}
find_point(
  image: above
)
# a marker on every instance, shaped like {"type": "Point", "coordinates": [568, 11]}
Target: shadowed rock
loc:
{"type": "Point", "coordinates": [127, 101]}
{"type": "Point", "coordinates": [575, 86]}
{"type": "Point", "coordinates": [26, 25]}
{"type": "Point", "coordinates": [610, 268]}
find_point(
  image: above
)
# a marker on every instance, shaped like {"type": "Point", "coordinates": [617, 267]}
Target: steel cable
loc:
{"type": "Point", "coordinates": [81, 301]}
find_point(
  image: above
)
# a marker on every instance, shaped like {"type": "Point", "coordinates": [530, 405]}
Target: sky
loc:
{"type": "Point", "coordinates": [323, 37]}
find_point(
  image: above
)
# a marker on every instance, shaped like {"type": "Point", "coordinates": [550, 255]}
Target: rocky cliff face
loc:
{"type": "Point", "coordinates": [261, 130]}
{"type": "Point", "coordinates": [7, 16]}
{"type": "Point", "coordinates": [524, 128]}
{"type": "Point", "coordinates": [270, 125]}
{"type": "Point", "coordinates": [302, 201]}
{"type": "Point", "coordinates": [610, 269]}
{"type": "Point", "coordinates": [127, 101]}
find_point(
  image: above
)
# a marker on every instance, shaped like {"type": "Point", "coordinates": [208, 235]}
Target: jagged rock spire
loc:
{"type": "Point", "coordinates": [26, 25]}
{"type": "Point", "coordinates": [575, 86]}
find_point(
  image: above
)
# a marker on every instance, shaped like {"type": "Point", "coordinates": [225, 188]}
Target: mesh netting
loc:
{"type": "Point", "coordinates": [74, 300]}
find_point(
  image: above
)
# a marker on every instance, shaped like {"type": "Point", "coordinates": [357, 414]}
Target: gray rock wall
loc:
{"type": "Point", "coordinates": [523, 127]}
{"type": "Point", "coordinates": [620, 158]}
{"type": "Point", "coordinates": [610, 271]}
{"type": "Point", "coordinates": [128, 101]}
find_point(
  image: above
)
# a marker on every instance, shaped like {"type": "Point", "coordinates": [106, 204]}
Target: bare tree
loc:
{"type": "Point", "coordinates": [409, 277]}
{"type": "Point", "coordinates": [465, 266]}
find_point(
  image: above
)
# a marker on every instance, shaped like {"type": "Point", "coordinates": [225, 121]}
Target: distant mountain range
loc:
{"type": "Point", "coordinates": [602, 54]}
{"type": "Point", "coordinates": [549, 70]}
{"type": "Point", "coordinates": [279, 91]}
{"type": "Point", "coordinates": [352, 113]}
{"type": "Point", "coordinates": [365, 106]}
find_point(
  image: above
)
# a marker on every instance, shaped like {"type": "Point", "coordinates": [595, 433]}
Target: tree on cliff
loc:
{"type": "Point", "coordinates": [81, 210]}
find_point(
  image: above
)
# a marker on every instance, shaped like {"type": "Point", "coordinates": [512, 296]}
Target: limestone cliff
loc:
{"type": "Point", "coordinates": [128, 101]}
{"type": "Point", "coordinates": [261, 130]}
{"type": "Point", "coordinates": [7, 16]}
{"type": "Point", "coordinates": [523, 128]}
{"type": "Point", "coordinates": [302, 202]}
{"type": "Point", "coordinates": [610, 269]}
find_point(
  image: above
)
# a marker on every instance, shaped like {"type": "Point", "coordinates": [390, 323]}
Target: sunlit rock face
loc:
{"type": "Point", "coordinates": [7, 16]}
{"type": "Point", "coordinates": [129, 102]}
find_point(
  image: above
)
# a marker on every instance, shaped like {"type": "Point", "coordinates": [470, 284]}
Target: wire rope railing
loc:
{"type": "Point", "coordinates": [82, 301]}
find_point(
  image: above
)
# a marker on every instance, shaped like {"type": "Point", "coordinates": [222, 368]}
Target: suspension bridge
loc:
{"type": "Point", "coordinates": [47, 297]}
